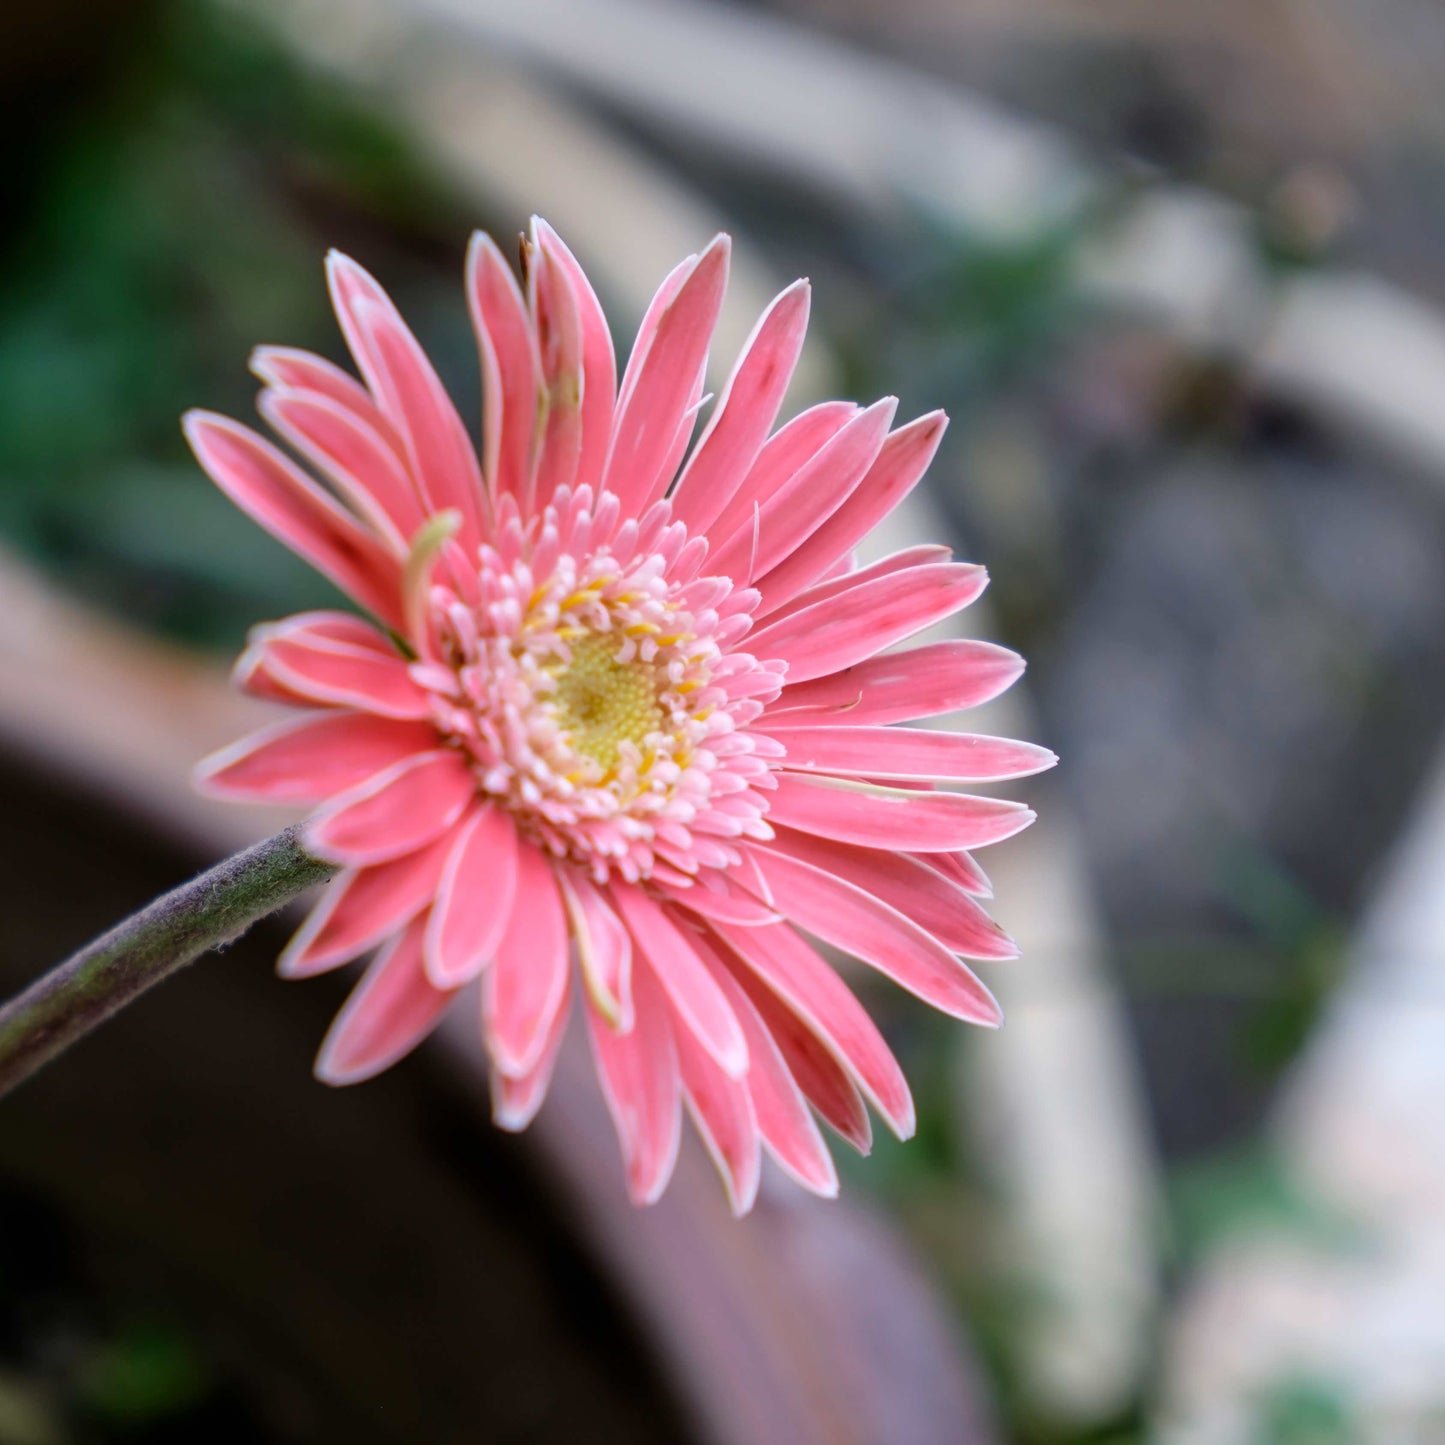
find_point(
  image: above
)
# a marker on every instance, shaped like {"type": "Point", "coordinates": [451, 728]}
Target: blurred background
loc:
{"type": "Point", "coordinates": [1178, 275]}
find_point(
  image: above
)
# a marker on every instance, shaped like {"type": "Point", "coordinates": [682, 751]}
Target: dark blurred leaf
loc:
{"type": "Point", "coordinates": [181, 218]}
{"type": "Point", "coordinates": [146, 1372]}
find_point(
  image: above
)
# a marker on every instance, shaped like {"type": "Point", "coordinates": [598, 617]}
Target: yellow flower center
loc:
{"type": "Point", "coordinates": [600, 703]}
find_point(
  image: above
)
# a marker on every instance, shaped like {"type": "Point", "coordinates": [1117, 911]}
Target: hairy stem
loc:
{"type": "Point", "coordinates": [208, 912]}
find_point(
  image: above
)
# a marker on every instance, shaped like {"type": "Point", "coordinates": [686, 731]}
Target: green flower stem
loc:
{"type": "Point", "coordinates": [208, 912]}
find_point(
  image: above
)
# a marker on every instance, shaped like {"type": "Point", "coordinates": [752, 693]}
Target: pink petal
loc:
{"type": "Point", "coordinates": [639, 1076]}
{"type": "Point", "coordinates": [604, 948]}
{"type": "Point", "coordinates": [900, 463]}
{"type": "Point", "coordinates": [289, 505]}
{"type": "Point", "coordinates": [252, 678]}
{"type": "Point", "coordinates": [661, 381]}
{"type": "Point", "coordinates": [822, 1079]}
{"type": "Point", "coordinates": [895, 818]}
{"type": "Point", "coordinates": [937, 904]}
{"type": "Point", "coordinates": [390, 1012]}
{"type": "Point", "coordinates": [922, 682]}
{"type": "Point", "coordinates": [847, 575]}
{"type": "Point", "coordinates": [896, 752]}
{"type": "Point", "coordinates": [438, 449]}
{"type": "Point", "coordinates": [784, 454]}
{"type": "Point", "coordinates": [839, 913]}
{"type": "Point", "coordinates": [341, 629]}
{"type": "Point", "coordinates": [311, 759]}
{"type": "Point", "coordinates": [287, 368]}
{"type": "Point", "coordinates": [510, 370]}
{"type": "Point", "coordinates": [599, 364]}
{"type": "Point", "coordinates": [523, 989]}
{"type": "Point", "coordinates": [474, 898]}
{"type": "Point", "coordinates": [779, 1106]}
{"type": "Point", "coordinates": [690, 989]}
{"type": "Point", "coordinates": [796, 509]}
{"type": "Point", "coordinates": [515, 1101]}
{"type": "Point", "coordinates": [745, 411]}
{"type": "Point", "coordinates": [395, 812]}
{"type": "Point", "coordinates": [722, 1109]}
{"type": "Point", "coordinates": [663, 298]}
{"type": "Point", "coordinates": [344, 629]}
{"type": "Point", "coordinates": [361, 907]}
{"type": "Point", "coordinates": [313, 665]}
{"type": "Point", "coordinates": [558, 327]}
{"type": "Point", "coordinates": [364, 467]}
{"type": "Point", "coordinates": [722, 901]}
{"type": "Point", "coordinates": [861, 621]}
{"type": "Point", "coordinates": [963, 869]}
{"type": "Point", "coordinates": [830, 1012]}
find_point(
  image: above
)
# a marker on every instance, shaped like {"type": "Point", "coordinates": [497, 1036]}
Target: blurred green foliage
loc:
{"type": "Point", "coordinates": [146, 1371]}
{"type": "Point", "coordinates": [180, 209]}
{"type": "Point", "coordinates": [1245, 1191]}
{"type": "Point", "coordinates": [1303, 1410]}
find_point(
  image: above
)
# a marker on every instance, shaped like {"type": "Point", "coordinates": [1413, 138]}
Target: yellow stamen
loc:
{"type": "Point", "coordinates": [600, 703]}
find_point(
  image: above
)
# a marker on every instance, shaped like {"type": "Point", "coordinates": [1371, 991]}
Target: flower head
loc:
{"type": "Point", "coordinates": [624, 713]}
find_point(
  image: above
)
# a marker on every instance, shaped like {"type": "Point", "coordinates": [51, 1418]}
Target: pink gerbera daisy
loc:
{"type": "Point", "coordinates": [624, 715]}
